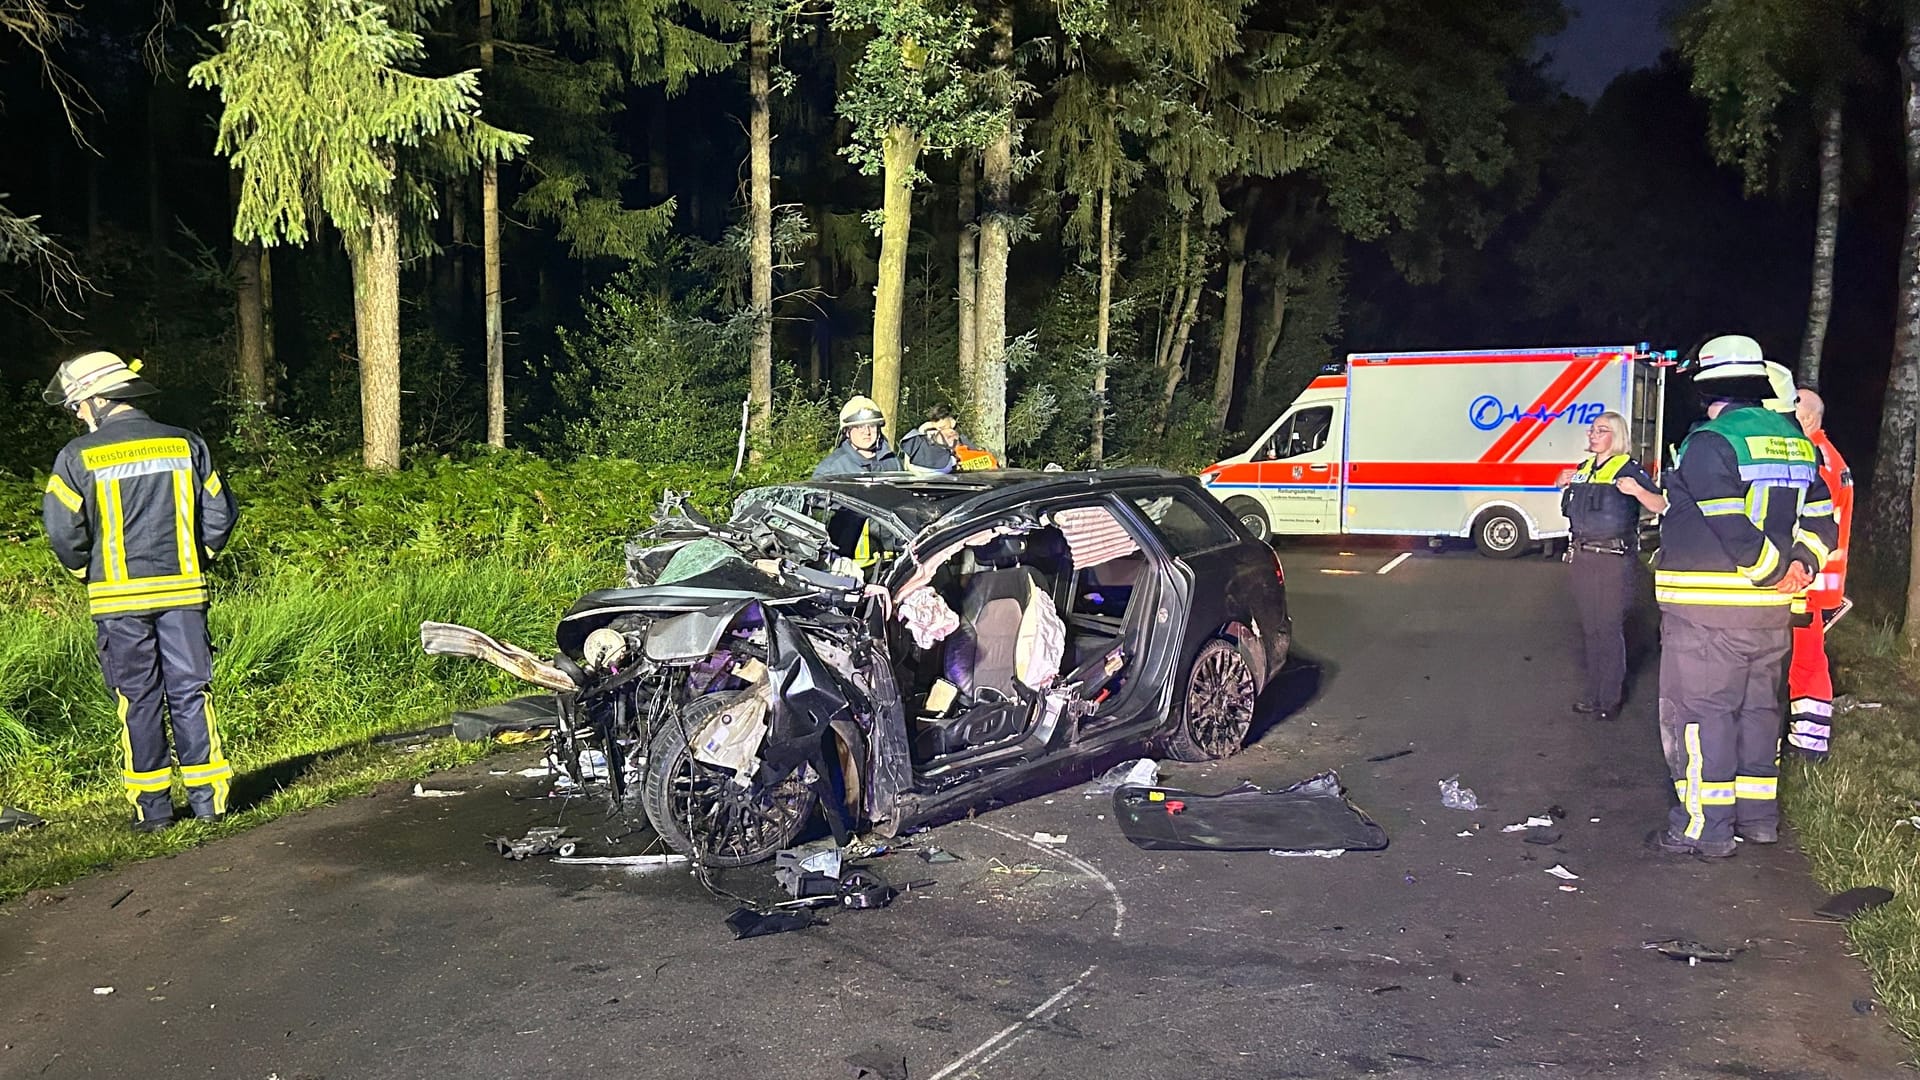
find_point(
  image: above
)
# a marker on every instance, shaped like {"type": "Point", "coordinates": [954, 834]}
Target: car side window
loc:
{"type": "Point", "coordinates": [1303, 433]}
{"type": "Point", "coordinates": [1186, 525]}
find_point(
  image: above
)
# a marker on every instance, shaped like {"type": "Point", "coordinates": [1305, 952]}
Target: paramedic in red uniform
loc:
{"type": "Point", "coordinates": [1602, 500]}
{"type": "Point", "coordinates": [1809, 682]}
{"type": "Point", "coordinates": [135, 509]}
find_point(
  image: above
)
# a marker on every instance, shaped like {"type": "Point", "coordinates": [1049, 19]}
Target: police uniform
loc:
{"type": "Point", "coordinates": [1744, 501]}
{"type": "Point", "coordinates": [1604, 556]}
{"type": "Point", "coordinates": [135, 508]}
{"type": "Point", "coordinates": [1809, 680]}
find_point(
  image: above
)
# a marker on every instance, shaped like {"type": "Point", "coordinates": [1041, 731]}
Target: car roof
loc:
{"type": "Point", "coordinates": [918, 501]}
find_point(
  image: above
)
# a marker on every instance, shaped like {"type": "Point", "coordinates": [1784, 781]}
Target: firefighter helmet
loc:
{"type": "Point", "coordinates": [859, 410]}
{"type": "Point", "coordinates": [1731, 367]}
{"type": "Point", "coordinates": [1784, 395]}
{"type": "Point", "coordinates": [96, 375]}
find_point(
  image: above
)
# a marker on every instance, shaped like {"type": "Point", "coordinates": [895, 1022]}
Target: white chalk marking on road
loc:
{"type": "Point", "coordinates": [1078, 863]}
{"type": "Point", "coordinates": [1012, 1033]}
{"type": "Point", "coordinates": [1397, 560]}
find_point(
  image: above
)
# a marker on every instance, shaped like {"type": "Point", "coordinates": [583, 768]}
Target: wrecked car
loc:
{"type": "Point", "coordinates": [889, 650]}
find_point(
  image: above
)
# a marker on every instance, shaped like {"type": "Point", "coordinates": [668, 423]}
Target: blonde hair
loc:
{"type": "Point", "coordinates": [1617, 424]}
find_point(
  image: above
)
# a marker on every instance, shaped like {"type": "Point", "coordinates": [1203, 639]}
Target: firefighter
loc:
{"type": "Point", "coordinates": [1602, 500]}
{"type": "Point", "coordinates": [1734, 549]}
{"type": "Point", "coordinates": [863, 449]}
{"type": "Point", "coordinates": [937, 446]}
{"type": "Point", "coordinates": [135, 509]}
{"type": "Point", "coordinates": [1809, 682]}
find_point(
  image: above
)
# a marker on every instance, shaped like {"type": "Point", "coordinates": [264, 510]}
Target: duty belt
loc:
{"type": "Point", "coordinates": [1614, 546]}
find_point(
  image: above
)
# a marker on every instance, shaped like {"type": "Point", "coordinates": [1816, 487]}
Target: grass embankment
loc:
{"type": "Point", "coordinates": [1856, 814]}
{"type": "Point", "coordinates": [315, 620]}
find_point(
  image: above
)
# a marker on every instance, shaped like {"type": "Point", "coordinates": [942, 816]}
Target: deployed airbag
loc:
{"type": "Point", "coordinates": [1312, 815]}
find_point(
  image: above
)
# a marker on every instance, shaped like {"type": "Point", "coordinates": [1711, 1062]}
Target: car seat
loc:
{"type": "Point", "coordinates": [1009, 627]}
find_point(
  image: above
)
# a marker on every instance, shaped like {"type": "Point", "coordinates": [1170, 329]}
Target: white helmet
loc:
{"type": "Point", "coordinates": [96, 375]}
{"type": "Point", "coordinates": [1732, 367]}
{"type": "Point", "coordinates": [1785, 394]}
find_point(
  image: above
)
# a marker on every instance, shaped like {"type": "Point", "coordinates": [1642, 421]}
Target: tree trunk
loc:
{"type": "Point", "coordinates": [1893, 473]}
{"type": "Point", "coordinates": [1183, 329]}
{"type": "Point", "coordinates": [1223, 374]}
{"type": "Point", "coordinates": [375, 254]}
{"type": "Point", "coordinates": [760, 138]}
{"type": "Point", "coordinates": [1170, 318]}
{"type": "Point", "coordinates": [490, 256]}
{"type": "Point", "coordinates": [1272, 328]}
{"type": "Point", "coordinates": [969, 278]}
{"type": "Point", "coordinates": [900, 151]}
{"type": "Point", "coordinates": [1826, 236]}
{"type": "Point", "coordinates": [250, 315]}
{"type": "Point", "coordinates": [270, 384]}
{"type": "Point", "coordinates": [1103, 318]}
{"type": "Point", "coordinates": [989, 391]}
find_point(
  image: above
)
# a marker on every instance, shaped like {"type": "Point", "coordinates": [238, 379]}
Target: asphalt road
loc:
{"type": "Point", "coordinates": [380, 938]}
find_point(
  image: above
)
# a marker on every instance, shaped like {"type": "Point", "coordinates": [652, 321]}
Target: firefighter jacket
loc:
{"type": "Point", "coordinates": [1595, 509]}
{"type": "Point", "coordinates": [1830, 585]}
{"type": "Point", "coordinates": [1745, 500]}
{"type": "Point", "coordinates": [136, 508]}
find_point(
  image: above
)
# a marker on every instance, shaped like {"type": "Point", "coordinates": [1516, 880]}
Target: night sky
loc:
{"type": "Point", "coordinates": [1604, 38]}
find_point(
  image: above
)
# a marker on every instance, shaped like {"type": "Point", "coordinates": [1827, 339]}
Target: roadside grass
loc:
{"type": "Point", "coordinates": [307, 671]}
{"type": "Point", "coordinates": [1855, 813]}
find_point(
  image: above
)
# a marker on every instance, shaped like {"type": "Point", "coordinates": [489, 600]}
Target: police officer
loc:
{"type": "Point", "coordinates": [863, 449]}
{"type": "Point", "coordinates": [135, 509]}
{"type": "Point", "coordinates": [1736, 544]}
{"type": "Point", "coordinates": [1602, 500]}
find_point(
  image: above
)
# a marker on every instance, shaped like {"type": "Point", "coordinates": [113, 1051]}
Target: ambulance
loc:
{"type": "Point", "coordinates": [1442, 444]}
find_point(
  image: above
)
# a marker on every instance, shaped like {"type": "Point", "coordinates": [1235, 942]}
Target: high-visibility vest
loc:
{"type": "Point", "coordinates": [1830, 585]}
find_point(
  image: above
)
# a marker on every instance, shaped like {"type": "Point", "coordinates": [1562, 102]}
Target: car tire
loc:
{"type": "Point", "coordinates": [1213, 707]}
{"type": "Point", "coordinates": [1252, 515]}
{"type": "Point", "coordinates": [755, 824]}
{"type": "Point", "coordinates": [1501, 534]}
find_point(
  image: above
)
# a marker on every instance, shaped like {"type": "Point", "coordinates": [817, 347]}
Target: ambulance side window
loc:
{"type": "Point", "coordinates": [1303, 433]}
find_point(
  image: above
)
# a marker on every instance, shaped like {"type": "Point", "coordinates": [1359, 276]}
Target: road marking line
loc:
{"type": "Point", "coordinates": [1397, 560]}
{"type": "Point", "coordinates": [1013, 1032]}
{"type": "Point", "coordinates": [1082, 865]}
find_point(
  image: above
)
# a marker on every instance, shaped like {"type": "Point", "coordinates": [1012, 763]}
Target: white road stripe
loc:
{"type": "Point", "coordinates": [1075, 861]}
{"type": "Point", "coordinates": [1397, 560]}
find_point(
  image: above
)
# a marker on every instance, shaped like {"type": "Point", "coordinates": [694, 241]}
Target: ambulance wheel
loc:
{"type": "Point", "coordinates": [1250, 515]}
{"type": "Point", "coordinates": [1501, 534]}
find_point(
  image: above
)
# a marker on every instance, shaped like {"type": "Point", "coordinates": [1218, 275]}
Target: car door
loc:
{"type": "Point", "coordinates": [1300, 471]}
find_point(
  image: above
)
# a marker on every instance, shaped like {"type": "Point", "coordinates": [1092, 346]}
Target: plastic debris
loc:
{"type": "Point", "coordinates": [1569, 888]}
{"type": "Point", "coordinates": [593, 768]}
{"type": "Point", "coordinates": [1311, 815]}
{"type": "Point", "coordinates": [1847, 904]}
{"type": "Point", "coordinates": [1537, 821]}
{"type": "Point", "coordinates": [1333, 854]}
{"type": "Point", "coordinates": [635, 863]}
{"type": "Point", "coordinates": [1140, 772]}
{"type": "Point", "coordinates": [1464, 832]}
{"type": "Point", "coordinates": [1847, 703]}
{"type": "Point", "coordinates": [1390, 755]}
{"type": "Point", "coordinates": [1049, 838]}
{"type": "Point", "coordinates": [1691, 951]}
{"type": "Point", "coordinates": [538, 772]}
{"type": "Point", "coordinates": [546, 840]}
{"type": "Point", "coordinates": [420, 792]}
{"type": "Point", "coordinates": [937, 855]}
{"type": "Point", "coordinates": [14, 818]}
{"type": "Point", "coordinates": [102, 991]}
{"type": "Point", "coordinates": [1455, 797]}
{"type": "Point", "coordinates": [748, 923]}
{"type": "Point", "coordinates": [1562, 873]}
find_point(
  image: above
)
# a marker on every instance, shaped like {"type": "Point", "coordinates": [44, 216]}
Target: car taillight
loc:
{"type": "Point", "coordinates": [1279, 572]}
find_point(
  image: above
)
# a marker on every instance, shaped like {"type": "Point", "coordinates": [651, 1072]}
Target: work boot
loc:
{"type": "Point", "coordinates": [1663, 841]}
{"type": "Point", "coordinates": [1758, 834]}
{"type": "Point", "coordinates": [151, 825]}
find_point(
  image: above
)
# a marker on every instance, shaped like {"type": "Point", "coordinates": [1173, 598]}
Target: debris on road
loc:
{"type": "Point", "coordinates": [420, 792]}
{"type": "Point", "coordinates": [937, 855]}
{"type": "Point", "coordinates": [121, 899]}
{"type": "Point", "coordinates": [1543, 839]}
{"type": "Point", "coordinates": [998, 867]}
{"type": "Point", "coordinates": [1140, 772]}
{"type": "Point", "coordinates": [1537, 821]}
{"type": "Point", "coordinates": [1692, 951]}
{"type": "Point", "coordinates": [1049, 838]}
{"type": "Point", "coordinates": [1847, 904]}
{"type": "Point", "coordinates": [1455, 797]}
{"type": "Point", "coordinates": [636, 863]}
{"type": "Point", "coordinates": [1569, 888]}
{"type": "Point", "coordinates": [1464, 832]}
{"type": "Point", "coordinates": [1332, 853]}
{"type": "Point", "coordinates": [1389, 756]}
{"type": "Point", "coordinates": [102, 991]}
{"type": "Point", "coordinates": [14, 818]}
{"type": "Point", "coordinates": [1847, 703]}
{"type": "Point", "coordinates": [748, 923]}
{"type": "Point", "coordinates": [1562, 873]}
{"type": "Point", "coordinates": [1312, 815]}
{"type": "Point", "coordinates": [545, 840]}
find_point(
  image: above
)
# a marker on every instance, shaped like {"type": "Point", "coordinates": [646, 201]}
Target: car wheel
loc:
{"type": "Point", "coordinates": [1500, 534]}
{"type": "Point", "coordinates": [1214, 707]}
{"type": "Point", "coordinates": [698, 809]}
{"type": "Point", "coordinates": [1251, 515]}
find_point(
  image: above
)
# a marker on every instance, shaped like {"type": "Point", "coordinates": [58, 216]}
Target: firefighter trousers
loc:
{"type": "Point", "coordinates": [159, 668]}
{"type": "Point", "coordinates": [1603, 594]}
{"type": "Point", "coordinates": [1810, 691]}
{"type": "Point", "coordinates": [1720, 722]}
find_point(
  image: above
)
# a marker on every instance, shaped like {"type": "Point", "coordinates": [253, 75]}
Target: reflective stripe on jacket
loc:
{"type": "Point", "coordinates": [136, 508]}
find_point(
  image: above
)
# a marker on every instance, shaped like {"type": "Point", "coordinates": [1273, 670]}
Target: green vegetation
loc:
{"type": "Point", "coordinates": [316, 621]}
{"type": "Point", "coordinates": [1855, 814]}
